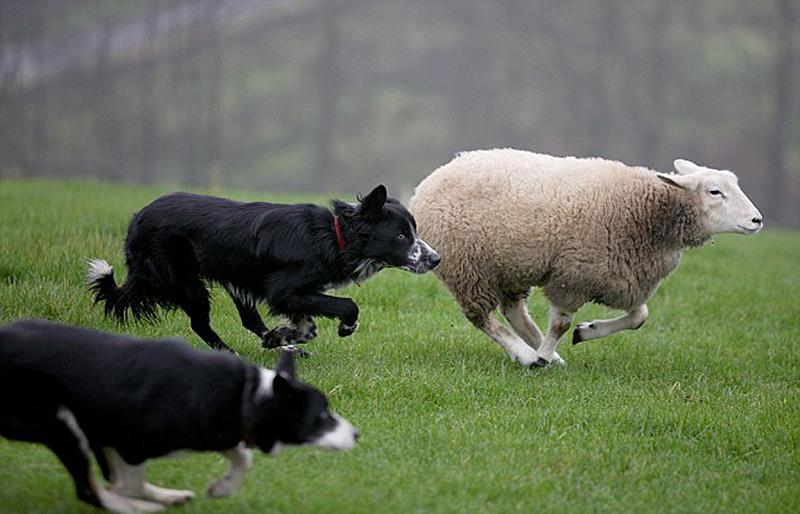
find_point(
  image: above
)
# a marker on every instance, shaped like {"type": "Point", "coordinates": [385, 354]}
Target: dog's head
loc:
{"type": "Point", "coordinates": [289, 412]}
{"type": "Point", "coordinates": [386, 234]}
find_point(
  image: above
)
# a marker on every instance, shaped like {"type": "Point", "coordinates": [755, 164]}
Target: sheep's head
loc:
{"type": "Point", "coordinates": [725, 206]}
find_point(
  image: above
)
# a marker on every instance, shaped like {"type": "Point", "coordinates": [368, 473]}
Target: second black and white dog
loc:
{"type": "Point", "coordinates": [82, 392]}
{"type": "Point", "coordinates": [283, 255]}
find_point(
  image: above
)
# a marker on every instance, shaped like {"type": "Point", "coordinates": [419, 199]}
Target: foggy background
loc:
{"type": "Point", "coordinates": [334, 96]}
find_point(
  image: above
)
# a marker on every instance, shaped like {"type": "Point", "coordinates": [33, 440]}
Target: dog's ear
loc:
{"type": "Point", "coordinates": [282, 385]}
{"type": "Point", "coordinates": [374, 201]}
{"type": "Point", "coordinates": [285, 366]}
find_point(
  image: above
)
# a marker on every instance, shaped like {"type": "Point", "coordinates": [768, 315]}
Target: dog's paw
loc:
{"type": "Point", "coordinates": [167, 496]}
{"type": "Point", "coordinates": [280, 336]}
{"type": "Point", "coordinates": [296, 351]}
{"type": "Point", "coordinates": [221, 488]}
{"type": "Point", "coordinates": [306, 329]}
{"type": "Point", "coordinates": [346, 330]}
{"type": "Point", "coordinates": [116, 503]}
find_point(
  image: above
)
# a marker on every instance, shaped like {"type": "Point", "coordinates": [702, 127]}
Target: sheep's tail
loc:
{"type": "Point", "coordinates": [131, 296]}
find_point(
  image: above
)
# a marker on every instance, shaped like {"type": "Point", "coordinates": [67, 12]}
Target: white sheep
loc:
{"type": "Point", "coordinates": [584, 230]}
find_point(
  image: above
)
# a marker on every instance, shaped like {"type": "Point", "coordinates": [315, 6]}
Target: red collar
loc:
{"type": "Point", "coordinates": [338, 229]}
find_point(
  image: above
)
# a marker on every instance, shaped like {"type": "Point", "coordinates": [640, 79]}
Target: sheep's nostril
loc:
{"type": "Point", "coordinates": [757, 221]}
{"type": "Point", "coordinates": [356, 435]}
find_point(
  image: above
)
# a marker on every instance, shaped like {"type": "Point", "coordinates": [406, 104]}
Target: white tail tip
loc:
{"type": "Point", "coordinates": [98, 269]}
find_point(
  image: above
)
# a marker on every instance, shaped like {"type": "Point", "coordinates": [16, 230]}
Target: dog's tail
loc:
{"type": "Point", "coordinates": [130, 296]}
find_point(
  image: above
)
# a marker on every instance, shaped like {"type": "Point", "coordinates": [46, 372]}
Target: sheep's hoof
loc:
{"type": "Point", "coordinates": [577, 334]}
{"type": "Point", "coordinates": [540, 363]}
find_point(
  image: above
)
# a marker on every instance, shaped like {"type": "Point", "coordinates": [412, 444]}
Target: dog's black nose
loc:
{"type": "Point", "coordinates": [434, 259]}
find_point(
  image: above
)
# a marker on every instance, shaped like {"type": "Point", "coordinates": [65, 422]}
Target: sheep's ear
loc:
{"type": "Point", "coordinates": [374, 201]}
{"type": "Point", "coordinates": [687, 182]}
{"type": "Point", "coordinates": [685, 167]}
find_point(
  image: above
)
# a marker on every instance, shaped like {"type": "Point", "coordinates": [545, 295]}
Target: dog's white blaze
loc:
{"type": "Point", "coordinates": [341, 437]}
{"type": "Point", "coordinates": [416, 251]}
{"type": "Point", "coordinates": [65, 415]}
{"type": "Point", "coordinates": [265, 378]}
{"type": "Point", "coordinates": [426, 248]}
{"type": "Point", "coordinates": [98, 269]}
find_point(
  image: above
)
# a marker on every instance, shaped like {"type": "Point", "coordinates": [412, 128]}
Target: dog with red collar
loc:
{"type": "Point", "coordinates": [286, 256]}
{"type": "Point", "coordinates": [82, 392]}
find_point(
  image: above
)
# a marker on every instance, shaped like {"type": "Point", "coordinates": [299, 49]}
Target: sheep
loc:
{"type": "Point", "coordinates": [582, 229]}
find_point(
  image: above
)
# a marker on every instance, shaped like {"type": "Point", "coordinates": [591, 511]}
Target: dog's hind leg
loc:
{"type": "Point", "coordinates": [129, 481]}
{"type": "Point", "coordinates": [251, 319]}
{"type": "Point", "coordinates": [65, 438]}
{"type": "Point", "coordinates": [34, 413]}
{"type": "Point", "coordinates": [196, 304]}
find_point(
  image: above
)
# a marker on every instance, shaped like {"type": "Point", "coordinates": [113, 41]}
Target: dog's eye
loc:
{"type": "Point", "coordinates": [401, 237]}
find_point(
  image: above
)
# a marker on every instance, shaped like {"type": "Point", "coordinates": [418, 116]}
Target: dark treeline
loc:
{"type": "Point", "coordinates": [337, 95]}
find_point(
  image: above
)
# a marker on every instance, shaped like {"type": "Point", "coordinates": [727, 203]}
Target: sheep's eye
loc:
{"type": "Point", "coordinates": [401, 237]}
{"type": "Point", "coordinates": [715, 192]}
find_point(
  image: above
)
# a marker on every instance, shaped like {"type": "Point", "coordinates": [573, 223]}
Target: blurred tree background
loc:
{"type": "Point", "coordinates": [333, 96]}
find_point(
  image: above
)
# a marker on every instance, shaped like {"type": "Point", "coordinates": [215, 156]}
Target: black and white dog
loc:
{"type": "Point", "coordinates": [125, 400]}
{"type": "Point", "coordinates": [284, 255]}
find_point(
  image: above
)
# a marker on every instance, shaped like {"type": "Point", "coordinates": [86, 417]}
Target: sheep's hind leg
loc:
{"type": "Point", "coordinates": [560, 321]}
{"type": "Point", "coordinates": [634, 319]}
{"type": "Point", "coordinates": [515, 309]}
{"type": "Point", "coordinates": [515, 347]}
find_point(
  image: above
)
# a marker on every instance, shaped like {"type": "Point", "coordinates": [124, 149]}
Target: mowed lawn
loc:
{"type": "Point", "coordinates": [698, 411]}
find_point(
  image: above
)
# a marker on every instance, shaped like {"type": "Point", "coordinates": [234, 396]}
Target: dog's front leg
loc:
{"type": "Point", "coordinates": [241, 458]}
{"type": "Point", "coordinates": [318, 304]}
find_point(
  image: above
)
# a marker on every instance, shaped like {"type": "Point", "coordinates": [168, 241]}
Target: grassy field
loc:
{"type": "Point", "coordinates": [699, 411]}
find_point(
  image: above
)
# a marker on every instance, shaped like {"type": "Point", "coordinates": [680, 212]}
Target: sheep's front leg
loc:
{"type": "Point", "coordinates": [560, 321]}
{"type": "Point", "coordinates": [516, 312]}
{"type": "Point", "coordinates": [634, 319]}
{"type": "Point", "coordinates": [513, 345]}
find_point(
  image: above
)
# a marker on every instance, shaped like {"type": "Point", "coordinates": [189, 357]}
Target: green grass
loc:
{"type": "Point", "coordinates": [696, 412]}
